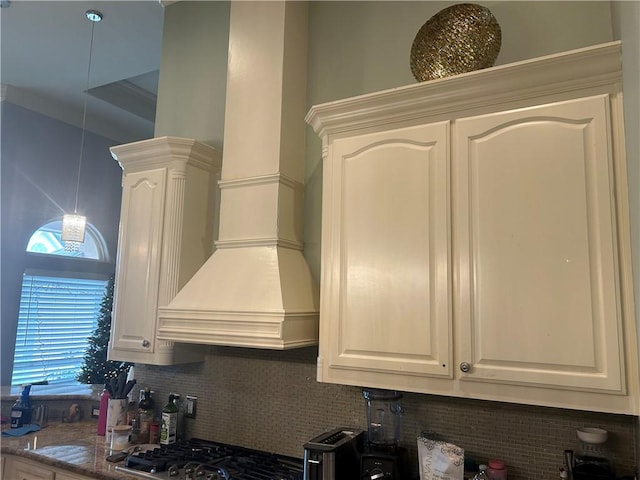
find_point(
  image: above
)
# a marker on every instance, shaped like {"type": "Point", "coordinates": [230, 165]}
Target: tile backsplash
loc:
{"type": "Point", "coordinates": [270, 400]}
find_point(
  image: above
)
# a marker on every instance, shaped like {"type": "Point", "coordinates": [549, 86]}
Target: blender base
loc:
{"type": "Point", "coordinates": [386, 463]}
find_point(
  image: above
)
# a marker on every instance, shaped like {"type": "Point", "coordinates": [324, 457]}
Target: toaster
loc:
{"type": "Point", "coordinates": [334, 455]}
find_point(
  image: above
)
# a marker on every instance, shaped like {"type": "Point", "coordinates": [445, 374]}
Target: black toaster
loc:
{"type": "Point", "coordinates": [334, 455]}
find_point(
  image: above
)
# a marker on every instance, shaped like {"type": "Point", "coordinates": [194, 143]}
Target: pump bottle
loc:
{"type": "Point", "coordinates": [21, 409]}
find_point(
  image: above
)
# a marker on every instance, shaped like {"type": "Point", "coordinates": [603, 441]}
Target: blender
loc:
{"type": "Point", "coordinates": [593, 461]}
{"type": "Point", "coordinates": [383, 457]}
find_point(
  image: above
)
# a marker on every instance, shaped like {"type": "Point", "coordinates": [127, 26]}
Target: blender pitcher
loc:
{"type": "Point", "coordinates": [384, 415]}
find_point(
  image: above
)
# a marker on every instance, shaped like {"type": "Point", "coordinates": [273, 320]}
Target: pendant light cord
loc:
{"type": "Point", "coordinates": [84, 117]}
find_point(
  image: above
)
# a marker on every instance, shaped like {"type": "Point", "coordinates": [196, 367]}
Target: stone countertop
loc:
{"type": "Point", "coordinates": [74, 447]}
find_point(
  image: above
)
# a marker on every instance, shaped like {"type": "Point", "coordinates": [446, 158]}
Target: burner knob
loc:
{"type": "Point", "coordinates": [188, 472]}
{"type": "Point", "coordinates": [220, 474]}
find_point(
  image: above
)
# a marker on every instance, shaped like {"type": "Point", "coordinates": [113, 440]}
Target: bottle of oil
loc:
{"type": "Point", "coordinates": [145, 415]}
{"type": "Point", "coordinates": [135, 431]}
{"type": "Point", "coordinates": [482, 473]}
{"type": "Point", "coordinates": [169, 422]}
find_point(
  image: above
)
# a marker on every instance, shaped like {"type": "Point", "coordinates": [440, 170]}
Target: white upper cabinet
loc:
{"type": "Point", "coordinates": [537, 301]}
{"type": "Point", "coordinates": [476, 238]}
{"type": "Point", "coordinates": [143, 202]}
{"type": "Point", "coordinates": [385, 262]}
{"type": "Point", "coordinates": [166, 234]}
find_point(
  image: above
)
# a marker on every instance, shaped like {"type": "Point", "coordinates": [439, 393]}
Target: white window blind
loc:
{"type": "Point", "coordinates": [57, 315]}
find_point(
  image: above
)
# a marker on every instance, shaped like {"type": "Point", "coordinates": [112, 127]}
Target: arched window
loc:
{"type": "Point", "coordinates": [47, 239]}
{"type": "Point", "coordinates": [62, 292]}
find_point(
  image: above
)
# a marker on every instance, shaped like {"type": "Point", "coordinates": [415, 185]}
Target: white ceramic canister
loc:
{"type": "Point", "coordinates": [120, 436]}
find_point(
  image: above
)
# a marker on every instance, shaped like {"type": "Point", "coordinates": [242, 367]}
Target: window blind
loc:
{"type": "Point", "coordinates": [57, 315]}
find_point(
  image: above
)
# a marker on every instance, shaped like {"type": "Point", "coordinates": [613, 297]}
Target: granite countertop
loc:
{"type": "Point", "coordinates": [74, 447]}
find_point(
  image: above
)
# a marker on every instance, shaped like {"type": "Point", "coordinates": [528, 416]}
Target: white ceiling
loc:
{"type": "Point", "coordinates": [44, 53]}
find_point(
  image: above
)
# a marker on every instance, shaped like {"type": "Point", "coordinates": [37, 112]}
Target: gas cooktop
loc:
{"type": "Point", "coordinates": [206, 460]}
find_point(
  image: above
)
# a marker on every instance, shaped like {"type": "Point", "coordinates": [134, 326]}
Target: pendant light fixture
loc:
{"type": "Point", "coordinates": [74, 225]}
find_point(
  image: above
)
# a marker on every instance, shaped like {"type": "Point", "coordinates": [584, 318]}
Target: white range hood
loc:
{"type": "Point", "coordinates": [256, 289]}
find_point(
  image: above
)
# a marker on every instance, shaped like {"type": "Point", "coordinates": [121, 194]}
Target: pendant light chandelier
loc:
{"type": "Point", "coordinates": [74, 225]}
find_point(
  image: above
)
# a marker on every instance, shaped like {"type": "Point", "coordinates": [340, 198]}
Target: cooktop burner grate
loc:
{"type": "Point", "coordinates": [200, 458]}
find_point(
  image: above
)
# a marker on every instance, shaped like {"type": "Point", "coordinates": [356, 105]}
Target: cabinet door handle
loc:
{"type": "Point", "coordinates": [146, 343]}
{"type": "Point", "coordinates": [465, 367]}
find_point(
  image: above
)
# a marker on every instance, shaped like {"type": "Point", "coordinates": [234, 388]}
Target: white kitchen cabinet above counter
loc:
{"type": "Point", "coordinates": [476, 236]}
{"type": "Point", "coordinates": [166, 234]}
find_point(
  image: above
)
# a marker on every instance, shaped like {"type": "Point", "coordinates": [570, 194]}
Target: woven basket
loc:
{"type": "Point", "coordinates": [458, 39]}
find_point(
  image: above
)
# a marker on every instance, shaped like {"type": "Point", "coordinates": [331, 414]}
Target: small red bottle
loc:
{"type": "Point", "coordinates": [154, 433]}
{"type": "Point", "coordinates": [102, 414]}
{"type": "Point", "coordinates": [497, 470]}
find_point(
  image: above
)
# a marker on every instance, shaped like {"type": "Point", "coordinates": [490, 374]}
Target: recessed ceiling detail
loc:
{"type": "Point", "coordinates": [132, 94]}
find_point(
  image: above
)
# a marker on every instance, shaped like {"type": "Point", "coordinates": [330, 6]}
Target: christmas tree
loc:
{"type": "Point", "coordinates": [96, 368]}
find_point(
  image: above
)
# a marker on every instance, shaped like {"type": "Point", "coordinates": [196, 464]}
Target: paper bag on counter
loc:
{"type": "Point", "coordinates": [440, 460]}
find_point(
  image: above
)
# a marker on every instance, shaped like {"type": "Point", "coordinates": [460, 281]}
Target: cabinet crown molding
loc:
{"type": "Point", "coordinates": [575, 70]}
{"type": "Point", "coordinates": [163, 151]}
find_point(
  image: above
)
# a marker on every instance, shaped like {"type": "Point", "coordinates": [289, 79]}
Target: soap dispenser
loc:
{"type": "Point", "coordinates": [21, 409]}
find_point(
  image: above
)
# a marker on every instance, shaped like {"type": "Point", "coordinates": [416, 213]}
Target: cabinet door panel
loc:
{"type": "Point", "coordinates": [536, 235]}
{"type": "Point", "coordinates": [70, 476]}
{"type": "Point", "coordinates": [17, 469]}
{"type": "Point", "coordinates": [136, 295]}
{"type": "Point", "coordinates": [385, 276]}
